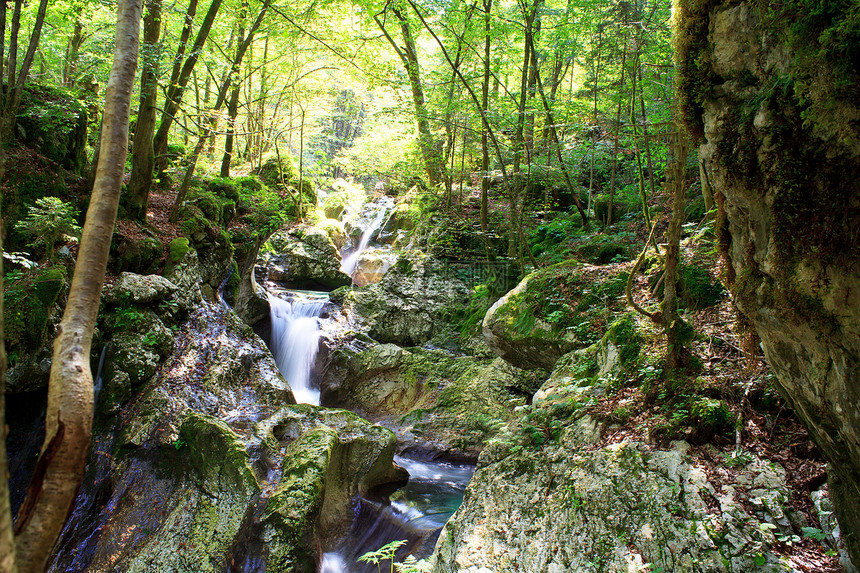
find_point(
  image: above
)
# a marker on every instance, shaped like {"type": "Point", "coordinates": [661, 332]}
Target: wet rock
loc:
{"type": "Point", "coordinates": [305, 257]}
{"type": "Point", "coordinates": [408, 305]}
{"type": "Point", "coordinates": [330, 457]}
{"type": "Point", "coordinates": [371, 266]}
{"type": "Point", "coordinates": [437, 403]}
{"type": "Point", "coordinates": [182, 268]}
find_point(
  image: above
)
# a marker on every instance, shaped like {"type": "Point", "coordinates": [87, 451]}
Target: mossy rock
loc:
{"type": "Point", "coordinates": [552, 312]}
{"type": "Point", "coordinates": [27, 304]}
{"type": "Point", "coordinates": [590, 371]}
{"type": "Point", "coordinates": [54, 122]}
{"type": "Point", "coordinates": [274, 176]}
{"type": "Point", "coordinates": [141, 256]}
{"type": "Point", "coordinates": [216, 453]}
{"type": "Point", "coordinates": [176, 251]}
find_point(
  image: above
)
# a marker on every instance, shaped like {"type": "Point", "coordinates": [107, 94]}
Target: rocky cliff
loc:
{"type": "Point", "coordinates": [771, 91]}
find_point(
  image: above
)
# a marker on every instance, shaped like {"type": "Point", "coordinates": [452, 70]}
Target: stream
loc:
{"type": "Point", "coordinates": [415, 513]}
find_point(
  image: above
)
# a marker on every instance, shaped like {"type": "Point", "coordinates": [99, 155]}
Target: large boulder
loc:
{"type": "Point", "coordinates": [54, 122]}
{"type": "Point", "coordinates": [437, 403]}
{"type": "Point", "coordinates": [628, 508]}
{"type": "Point", "coordinates": [409, 305]}
{"type": "Point", "coordinates": [331, 457]}
{"type": "Point", "coordinates": [552, 312]}
{"type": "Point", "coordinates": [31, 313]}
{"type": "Point", "coordinates": [305, 257]}
{"type": "Point", "coordinates": [771, 96]}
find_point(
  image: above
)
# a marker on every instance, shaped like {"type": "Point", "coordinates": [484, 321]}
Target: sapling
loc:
{"type": "Point", "coordinates": [47, 221]}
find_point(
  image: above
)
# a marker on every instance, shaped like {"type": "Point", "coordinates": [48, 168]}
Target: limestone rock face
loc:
{"type": "Point", "coordinates": [306, 257]}
{"type": "Point", "coordinates": [625, 506]}
{"type": "Point", "coordinates": [436, 402]}
{"type": "Point", "coordinates": [140, 289]}
{"type": "Point", "coordinates": [780, 137]}
{"type": "Point", "coordinates": [407, 306]}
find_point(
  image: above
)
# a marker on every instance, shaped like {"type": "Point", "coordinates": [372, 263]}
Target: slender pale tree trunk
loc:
{"type": "Point", "coordinates": [7, 536]}
{"type": "Point", "coordinates": [554, 133]}
{"type": "Point", "coordinates": [16, 87]}
{"type": "Point", "coordinates": [208, 129]}
{"type": "Point", "coordinates": [233, 106]}
{"type": "Point", "coordinates": [68, 423]}
{"type": "Point", "coordinates": [142, 151]}
{"type": "Point", "coordinates": [408, 55]}
{"type": "Point", "coordinates": [617, 130]}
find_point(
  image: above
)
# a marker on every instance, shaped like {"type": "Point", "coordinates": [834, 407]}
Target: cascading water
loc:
{"type": "Point", "coordinates": [295, 340]}
{"type": "Point", "coordinates": [379, 211]}
{"type": "Point", "coordinates": [416, 513]}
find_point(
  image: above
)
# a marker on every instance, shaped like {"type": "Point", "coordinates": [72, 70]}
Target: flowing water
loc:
{"type": "Point", "coordinates": [295, 339]}
{"type": "Point", "coordinates": [374, 216]}
{"type": "Point", "coordinates": [416, 514]}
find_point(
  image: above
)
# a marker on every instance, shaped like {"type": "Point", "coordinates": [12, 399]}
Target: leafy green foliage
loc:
{"type": "Point", "coordinates": [48, 221]}
{"type": "Point", "coordinates": [384, 553]}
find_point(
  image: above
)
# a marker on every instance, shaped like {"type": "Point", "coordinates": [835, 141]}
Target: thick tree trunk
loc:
{"type": "Point", "coordinates": [69, 417]}
{"type": "Point", "coordinates": [142, 151]}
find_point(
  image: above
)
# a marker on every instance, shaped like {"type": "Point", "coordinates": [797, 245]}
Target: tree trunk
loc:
{"type": "Point", "coordinates": [142, 151]}
{"type": "Point", "coordinates": [177, 88]}
{"type": "Point", "coordinates": [485, 147]}
{"type": "Point", "coordinates": [554, 132]}
{"type": "Point", "coordinates": [219, 101]}
{"type": "Point", "coordinates": [617, 129]}
{"type": "Point", "coordinates": [409, 56]}
{"type": "Point", "coordinates": [233, 106]}
{"type": "Point", "coordinates": [13, 97]}
{"type": "Point", "coordinates": [673, 325]}
{"type": "Point", "coordinates": [7, 537]}
{"type": "Point", "coordinates": [70, 66]}
{"type": "Point", "coordinates": [68, 422]}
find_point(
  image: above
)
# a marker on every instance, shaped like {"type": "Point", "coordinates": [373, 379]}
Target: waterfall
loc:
{"type": "Point", "coordinates": [295, 340]}
{"type": "Point", "coordinates": [379, 208]}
